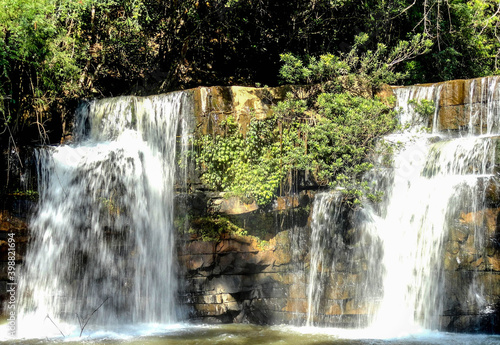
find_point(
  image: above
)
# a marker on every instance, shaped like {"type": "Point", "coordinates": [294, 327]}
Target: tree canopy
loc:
{"type": "Point", "coordinates": [53, 52]}
{"type": "Point", "coordinates": [61, 48]}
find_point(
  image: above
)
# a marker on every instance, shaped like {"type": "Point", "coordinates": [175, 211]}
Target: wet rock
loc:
{"type": "Point", "coordinates": [234, 206]}
{"type": "Point", "coordinates": [453, 117]}
{"type": "Point", "coordinates": [461, 99]}
{"type": "Point", "coordinates": [452, 93]}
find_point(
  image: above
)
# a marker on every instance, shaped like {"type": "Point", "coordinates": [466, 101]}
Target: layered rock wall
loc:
{"type": "Point", "coordinates": [232, 282]}
{"type": "Point", "coordinates": [465, 105]}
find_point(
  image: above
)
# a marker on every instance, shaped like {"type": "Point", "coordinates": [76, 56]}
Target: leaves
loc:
{"type": "Point", "coordinates": [375, 66]}
{"type": "Point", "coordinates": [244, 165]}
{"type": "Point", "coordinates": [331, 140]}
{"type": "Point", "coordinates": [53, 51]}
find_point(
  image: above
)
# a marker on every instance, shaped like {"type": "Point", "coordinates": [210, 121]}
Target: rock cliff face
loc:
{"type": "Point", "coordinates": [241, 278]}
{"type": "Point", "coordinates": [13, 224]}
{"type": "Point", "coordinates": [235, 280]}
{"type": "Point", "coordinates": [471, 262]}
{"type": "Point", "coordinates": [461, 105]}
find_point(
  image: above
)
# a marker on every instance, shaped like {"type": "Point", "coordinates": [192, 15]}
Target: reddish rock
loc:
{"type": "Point", "coordinates": [286, 202]}
{"type": "Point", "coordinates": [200, 247]}
{"type": "Point", "coordinates": [334, 309]}
{"type": "Point", "coordinates": [357, 307]}
{"type": "Point", "coordinates": [227, 246]}
{"type": "Point", "coordinates": [296, 306]}
{"type": "Point", "coordinates": [494, 263]}
{"type": "Point", "coordinates": [10, 223]}
{"type": "Point", "coordinates": [196, 262]}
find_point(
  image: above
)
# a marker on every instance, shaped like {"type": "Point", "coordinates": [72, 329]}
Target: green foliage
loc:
{"type": "Point", "coordinates": [337, 140]}
{"type": "Point", "coordinates": [330, 140]}
{"type": "Point", "coordinates": [465, 37]}
{"type": "Point", "coordinates": [213, 228]}
{"type": "Point", "coordinates": [26, 194]}
{"type": "Point", "coordinates": [55, 51]}
{"type": "Point", "coordinates": [244, 165]}
{"type": "Point", "coordinates": [262, 244]}
{"type": "Point", "coordinates": [330, 135]}
{"type": "Point", "coordinates": [52, 51]}
{"type": "Point", "coordinates": [374, 66]}
{"type": "Point", "coordinates": [344, 135]}
{"type": "Point", "coordinates": [424, 107]}
{"type": "Point", "coordinates": [37, 41]}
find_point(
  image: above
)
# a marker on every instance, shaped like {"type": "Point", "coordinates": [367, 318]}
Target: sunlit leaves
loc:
{"type": "Point", "coordinates": [331, 141]}
{"type": "Point", "coordinates": [244, 165]}
{"type": "Point", "coordinates": [376, 66]}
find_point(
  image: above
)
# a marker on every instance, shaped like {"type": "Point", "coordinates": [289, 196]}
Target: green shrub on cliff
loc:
{"type": "Point", "coordinates": [328, 135]}
{"type": "Point", "coordinates": [330, 141]}
{"type": "Point", "coordinates": [214, 228]}
{"type": "Point", "coordinates": [334, 138]}
{"type": "Point", "coordinates": [246, 165]}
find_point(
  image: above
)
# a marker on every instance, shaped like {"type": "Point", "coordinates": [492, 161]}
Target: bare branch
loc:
{"type": "Point", "coordinates": [48, 317]}
{"type": "Point", "coordinates": [86, 321]}
{"type": "Point", "coordinates": [403, 11]}
{"type": "Point", "coordinates": [449, 16]}
{"type": "Point", "coordinates": [79, 320]}
{"type": "Point", "coordinates": [490, 18]}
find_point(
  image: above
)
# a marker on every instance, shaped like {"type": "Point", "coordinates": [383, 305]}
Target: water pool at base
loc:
{"type": "Point", "coordinates": [238, 334]}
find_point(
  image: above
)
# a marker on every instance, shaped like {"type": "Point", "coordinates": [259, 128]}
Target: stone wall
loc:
{"type": "Point", "coordinates": [238, 280]}
{"type": "Point", "coordinates": [472, 264]}
{"type": "Point", "coordinates": [13, 224]}
{"type": "Point", "coordinates": [242, 279]}
{"type": "Point", "coordinates": [235, 280]}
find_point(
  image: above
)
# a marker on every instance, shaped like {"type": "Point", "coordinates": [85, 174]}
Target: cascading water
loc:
{"type": "Point", "coordinates": [325, 218]}
{"type": "Point", "coordinates": [103, 233]}
{"type": "Point", "coordinates": [414, 225]}
{"type": "Point", "coordinates": [435, 179]}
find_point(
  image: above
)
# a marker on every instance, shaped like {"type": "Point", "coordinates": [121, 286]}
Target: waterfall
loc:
{"type": "Point", "coordinates": [407, 115]}
{"type": "Point", "coordinates": [103, 233]}
{"type": "Point", "coordinates": [437, 183]}
{"type": "Point", "coordinates": [434, 178]}
{"type": "Point", "coordinates": [484, 98]}
{"type": "Point", "coordinates": [415, 223]}
{"type": "Point", "coordinates": [326, 217]}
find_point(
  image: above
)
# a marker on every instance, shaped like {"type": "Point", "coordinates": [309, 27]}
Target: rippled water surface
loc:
{"type": "Point", "coordinates": [250, 335]}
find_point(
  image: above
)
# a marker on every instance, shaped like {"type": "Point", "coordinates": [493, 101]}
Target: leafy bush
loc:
{"type": "Point", "coordinates": [336, 140]}
{"type": "Point", "coordinates": [212, 228]}
{"type": "Point", "coordinates": [373, 66]}
{"type": "Point", "coordinates": [424, 107]}
{"type": "Point", "coordinates": [245, 165]}
{"type": "Point", "coordinates": [330, 140]}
